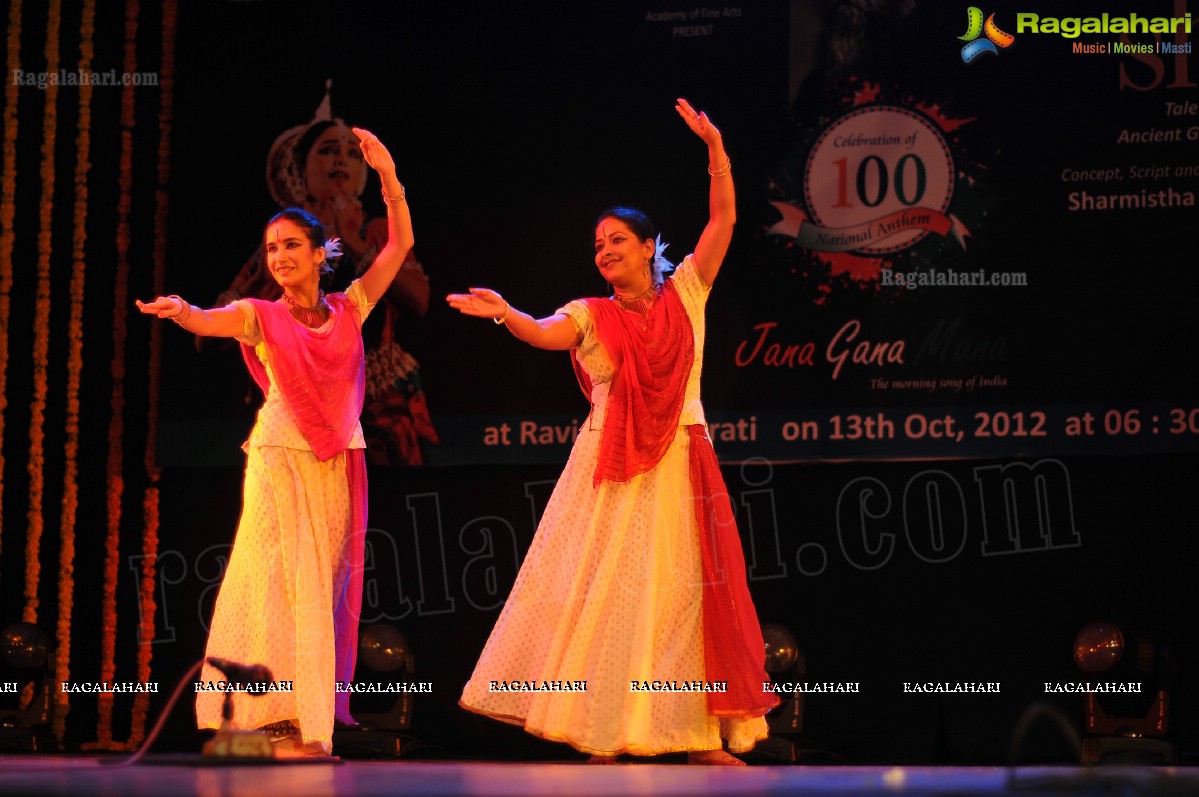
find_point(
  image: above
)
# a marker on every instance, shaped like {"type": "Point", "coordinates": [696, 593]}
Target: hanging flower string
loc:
{"type": "Point", "coordinates": [70, 485]}
{"type": "Point", "coordinates": [41, 326]}
{"type": "Point", "coordinates": [116, 426]}
{"type": "Point", "coordinates": [8, 206]}
{"type": "Point", "coordinates": [145, 650]}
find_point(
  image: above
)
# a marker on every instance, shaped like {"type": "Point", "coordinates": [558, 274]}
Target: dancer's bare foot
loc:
{"type": "Point", "coordinates": [714, 758]}
{"type": "Point", "coordinates": [610, 758]}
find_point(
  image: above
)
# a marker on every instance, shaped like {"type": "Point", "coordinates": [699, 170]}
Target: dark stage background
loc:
{"type": "Point", "coordinates": [933, 483]}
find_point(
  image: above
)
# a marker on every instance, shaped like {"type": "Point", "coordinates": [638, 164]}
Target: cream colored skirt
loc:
{"type": "Point", "coordinates": [275, 605]}
{"type": "Point", "coordinates": [610, 592]}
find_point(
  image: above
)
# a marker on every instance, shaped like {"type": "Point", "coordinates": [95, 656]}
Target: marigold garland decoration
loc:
{"type": "Point", "coordinates": [149, 607]}
{"type": "Point", "coordinates": [116, 427]}
{"type": "Point", "coordinates": [8, 190]}
{"type": "Point", "coordinates": [41, 326]}
{"type": "Point", "coordinates": [70, 486]}
{"type": "Point", "coordinates": [7, 234]}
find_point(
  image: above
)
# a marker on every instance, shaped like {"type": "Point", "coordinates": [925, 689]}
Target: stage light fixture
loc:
{"type": "Point", "coordinates": [26, 663]}
{"type": "Point", "coordinates": [1119, 719]}
{"type": "Point", "coordinates": [784, 664]}
{"type": "Point", "coordinates": [1098, 647]}
{"type": "Point", "coordinates": [381, 716]}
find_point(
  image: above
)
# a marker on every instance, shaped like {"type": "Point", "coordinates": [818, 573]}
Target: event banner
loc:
{"type": "Point", "coordinates": [963, 230]}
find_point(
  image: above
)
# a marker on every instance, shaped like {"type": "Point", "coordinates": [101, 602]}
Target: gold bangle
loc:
{"type": "Point", "coordinates": [723, 170]}
{"type": "Point", "coordinates": [503, 319]}
{"type": "Point", "coordinates": [179, 317]}
{"type": "Point", "coordinates": [394, 200]}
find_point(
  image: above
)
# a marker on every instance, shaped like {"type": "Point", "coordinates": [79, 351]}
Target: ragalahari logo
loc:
{"type": "Point", "coordinates": [994, 41]}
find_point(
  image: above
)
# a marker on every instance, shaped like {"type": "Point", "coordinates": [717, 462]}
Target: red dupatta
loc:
{"type": "Point", "coordinates": [653, 359]}
{"type": "Point", "coordinates": [733, 648]}
{"type": "Point", "coordinates": [319, 371]}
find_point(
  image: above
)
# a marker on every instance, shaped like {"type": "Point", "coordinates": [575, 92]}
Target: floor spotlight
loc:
{"type": "Point", "coordinates": [785, 664]}
{"type": "Point", "coordinates": [787, 669]}
{"type": "Point", "coordinates": [1131, 702]}
{"type": "Point", "coordinates": [26, 662]}
{"type": "Point", "coordinates": [381, 704]}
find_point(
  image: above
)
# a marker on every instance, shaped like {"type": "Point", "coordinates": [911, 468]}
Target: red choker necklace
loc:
{"type": "Point", "coordinates": [311, 317]}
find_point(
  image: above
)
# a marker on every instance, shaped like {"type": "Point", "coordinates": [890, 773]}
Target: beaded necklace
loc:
{"type": "Point", "coordinates": [311, 317]}
{"type": "Point", "coordinates": [640, 304]}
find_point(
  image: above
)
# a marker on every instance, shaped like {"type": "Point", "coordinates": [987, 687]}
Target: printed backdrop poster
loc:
{"type": "Point", "coordinates": [979, 247]}
{"type": "Point", "coordinates": [963, 230]}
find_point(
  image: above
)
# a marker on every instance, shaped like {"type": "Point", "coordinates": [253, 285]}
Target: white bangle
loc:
{"type": "Point", "coordinates": [394, 200]}
{"type": "Point", "coordinates": [723, 170]}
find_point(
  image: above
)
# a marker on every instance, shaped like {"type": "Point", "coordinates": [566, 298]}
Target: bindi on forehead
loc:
{"type": "Point", "coordinates": [607, 230]}
{"type": "Point", "coordinates": [276, 233]}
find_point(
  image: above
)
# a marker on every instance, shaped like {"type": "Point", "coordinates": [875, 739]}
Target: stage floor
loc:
{"type": "Point", "coordinates": [175, 775]}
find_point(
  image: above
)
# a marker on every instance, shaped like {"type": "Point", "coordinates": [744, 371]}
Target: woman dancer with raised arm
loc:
{"type": "Point", "coordinates": [630, 628]}
{"type": "Point", "coordinates": [292, 592]}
